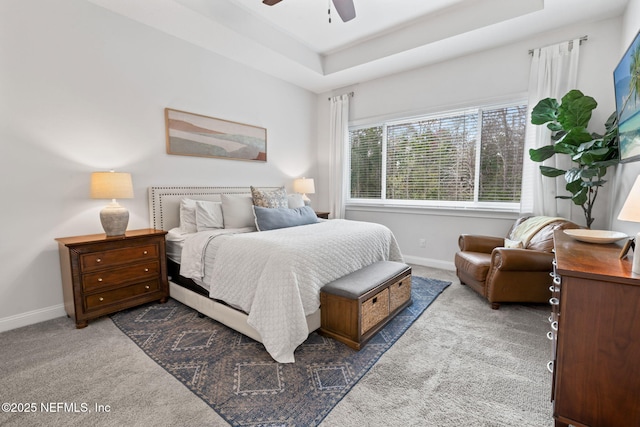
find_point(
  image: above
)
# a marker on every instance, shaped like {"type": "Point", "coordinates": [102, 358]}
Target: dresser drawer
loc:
{"type": "Point", "coordinates": [120, 275]}
{"type": "Point", "coordinates": [374, 310]}
{"type": "Point", "coordinates": [116, 296]}
{"type": "Point", "coordinates": [399, 293]}
{"type": "Point", "coordinates": [96, 260]}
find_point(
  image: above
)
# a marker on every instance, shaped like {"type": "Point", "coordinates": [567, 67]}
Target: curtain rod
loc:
{"type": "Point", "coordinates": [349, 93]}
{"type": "Point", "coordinates": [582, 39]}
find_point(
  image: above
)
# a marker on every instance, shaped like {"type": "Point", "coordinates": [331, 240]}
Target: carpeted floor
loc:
{"type": "Point", "coordinates": [237, 377]}
{"type": "Point", "coordinates": [459, 364]}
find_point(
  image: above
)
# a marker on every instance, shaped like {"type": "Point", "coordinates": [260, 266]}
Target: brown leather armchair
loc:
{"type": "Point", "coordinates": [510, 274]}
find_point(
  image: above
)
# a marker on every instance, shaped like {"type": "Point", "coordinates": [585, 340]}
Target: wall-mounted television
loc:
{"type": "Point", "coordinates": [626, 78]}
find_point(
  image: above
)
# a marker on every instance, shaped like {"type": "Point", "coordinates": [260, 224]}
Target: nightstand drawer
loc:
{"type": "Point", "coordinates": [116, 276]}
{"type": "Point", "coordinates": [96, 260]}
{"type": "Point", "coordinates": [116, 296]}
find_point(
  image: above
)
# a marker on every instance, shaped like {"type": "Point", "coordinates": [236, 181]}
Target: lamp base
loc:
{"type": "Point", "coordinates": [114, 219]}
{"type": "Point", "coordinates": [306, 200]}
{"type": "Point", "coordinates": [635, 266]}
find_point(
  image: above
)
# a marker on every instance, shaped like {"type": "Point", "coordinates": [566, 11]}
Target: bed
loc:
{"type": "Point", "coordinates": [263, 284]}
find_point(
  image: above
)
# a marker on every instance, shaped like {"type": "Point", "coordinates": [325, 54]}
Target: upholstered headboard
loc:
{"type": "Point", "coordinates": [164, 202]}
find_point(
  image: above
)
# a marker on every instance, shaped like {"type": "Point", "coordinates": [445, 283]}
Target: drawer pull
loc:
{"type": "Point", "coordinates": [554, 325]}
{"type": "Point", "coordinates": [550, 335]}
{"type": "Point", "coordinates": [145, 253]}
{"type": "Point", "coordinates": [146, 287]}
{"type": "Point", "coordinates": [101, 299]}
{"type": "Point", "coordinates": [554, 301]}
{"type": "Point", "coordinates": [550, 366]}
{"type": "Point", "coordinates": [99, 279]}
{"type": "Point", "coordinates": [146, 270]}
{"type": "Point", "coordinates": [98, 260]}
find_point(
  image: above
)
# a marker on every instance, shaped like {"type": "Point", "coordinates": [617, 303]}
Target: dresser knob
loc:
{"type": "Point", "coordinates": [98, 260]}
{"type": "Point", "coordinates": [146, 269]}
{"type": "Point", "coordinates": [101, 299]}
{"type": "Point", "coordinates": [145, 252]}
{"type": "Point", "coordinates": [99, 279]}
{"type": "Point", "coordinates": [146, 287]}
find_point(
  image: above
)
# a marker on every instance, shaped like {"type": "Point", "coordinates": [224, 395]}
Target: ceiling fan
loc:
{"type": "Point", "coordinates": [345, 8]}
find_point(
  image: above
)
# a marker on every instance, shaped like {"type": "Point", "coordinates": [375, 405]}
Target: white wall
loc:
{"type": "Point", "coordinates": [626, 172]}
{"type": "Point", "coordinates": [483, 76]}
{"type": "Point", "coordinates": [83, 89]}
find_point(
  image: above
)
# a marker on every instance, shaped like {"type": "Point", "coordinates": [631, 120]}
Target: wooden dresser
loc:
{"type": "Point", "coordinates": [595, 330]}
{"type": "Point", "coordinates": [102, 275]}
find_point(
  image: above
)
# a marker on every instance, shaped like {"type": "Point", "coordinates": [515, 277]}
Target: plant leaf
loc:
{"type": "Point", "coordinates": [551, 172]}
{"type": "Point", "coordinates": [541, 154]}
{"type": "Point", "coordinates": [575, 110]}
{"type": "Point", "coordinates": [545, 111]}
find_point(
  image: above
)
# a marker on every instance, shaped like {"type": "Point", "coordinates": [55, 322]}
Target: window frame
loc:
{"type": "Point", "coordinates": [475, 205]}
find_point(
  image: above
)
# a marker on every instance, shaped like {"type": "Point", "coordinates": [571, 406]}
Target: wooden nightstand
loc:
{"type": "Point", "coordinates": [323, 215]}
{"type": "Point", "coordinates": [102, 275]}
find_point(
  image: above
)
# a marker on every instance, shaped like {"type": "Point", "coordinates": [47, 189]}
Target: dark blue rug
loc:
{"type": "Point", "coordinates": [237, 377]}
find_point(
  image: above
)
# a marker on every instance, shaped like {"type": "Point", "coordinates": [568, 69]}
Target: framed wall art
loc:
{"type": "Point", "coordinates": [190, 134]}
{"type": "Point", "coordinates": [627, 85]}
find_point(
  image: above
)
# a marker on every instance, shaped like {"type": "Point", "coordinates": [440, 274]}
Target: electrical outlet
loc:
{"type": "Point", "coordinates": [422, 243]}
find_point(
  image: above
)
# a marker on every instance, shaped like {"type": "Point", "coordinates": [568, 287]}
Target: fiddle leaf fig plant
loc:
{"type": "Point", "coordinates": [590, 153]}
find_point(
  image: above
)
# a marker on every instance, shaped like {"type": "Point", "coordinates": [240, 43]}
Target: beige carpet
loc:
{"type": "Point", "coordinates": [460, 364]}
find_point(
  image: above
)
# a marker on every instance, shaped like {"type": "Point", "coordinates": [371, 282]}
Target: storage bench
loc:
{"type": "Point", "coordinates": [356, 306]}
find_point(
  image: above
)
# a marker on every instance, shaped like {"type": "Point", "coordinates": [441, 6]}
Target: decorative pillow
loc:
{"type": "Point", "coordinates": [188, 216]}
{"type": "Point", "coordinates": [208, 215]}
{"type": "Point", "coordinates": [508, 243]}
{"type": "Point", "coordinates": [270, 198]}
{"type": "Point", "coordinates": [237, 210]}
{"type": "Point", "coordinates": [295, 200]}
{"type": "Point", "coordinates": [273, 218]}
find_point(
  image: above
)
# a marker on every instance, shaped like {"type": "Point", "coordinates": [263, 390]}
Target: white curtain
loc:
{"type": "Point", "coordinates": [338, 141]}
{"type": "Point", "coordinates": [554, 71]}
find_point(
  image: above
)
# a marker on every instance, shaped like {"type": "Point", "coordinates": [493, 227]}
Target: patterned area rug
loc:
{"type": "Point", "coordinates": [237, 377]}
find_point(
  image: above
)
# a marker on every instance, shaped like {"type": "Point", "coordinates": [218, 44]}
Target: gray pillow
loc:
{"type": "Point", "coordinates": [273, 218]}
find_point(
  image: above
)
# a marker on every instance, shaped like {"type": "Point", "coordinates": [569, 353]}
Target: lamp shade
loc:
{"type": "Point", "coordinates": [111, 185]}
{"type": "Point", "coordinates": [631, 209]}
{"type": "Point", "coordinates": [304, 186]}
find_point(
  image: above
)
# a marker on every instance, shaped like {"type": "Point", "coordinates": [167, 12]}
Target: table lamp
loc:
{"type": "Point", "coordinates": [305, 186]}
{"type": "Point", "coordinates": [631, 212]}
{"type": "Point", "coordinates": [112, 185]}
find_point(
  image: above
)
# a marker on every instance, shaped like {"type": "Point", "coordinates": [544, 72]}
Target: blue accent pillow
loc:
{"type": "Point", "coordinates": [274, 218]}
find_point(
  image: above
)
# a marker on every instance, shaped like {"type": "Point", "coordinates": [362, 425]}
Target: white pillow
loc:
{"type": "Point", "coordinates": [188, 216]}
{"type": "Point", "coordinates": [513, 244]}
{"type": "Point", "coordinates": [208, 215]}
{"type": "Point", "coordinates": [295, 201]}
{"type": "Point", "coordinates": [237, 210]}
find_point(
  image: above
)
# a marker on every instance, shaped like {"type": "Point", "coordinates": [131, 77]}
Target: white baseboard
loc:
{"type": "Point", "coordinates": [429, 262]}
{"type": "Point", "coordinates": [31, 317]}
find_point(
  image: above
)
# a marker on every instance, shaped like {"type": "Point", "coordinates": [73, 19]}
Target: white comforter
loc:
{"type": "Point", "coordinates": [276, 275]}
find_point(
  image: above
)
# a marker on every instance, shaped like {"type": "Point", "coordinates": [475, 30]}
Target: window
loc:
{"type": "Point", "coordinates": [463, 158]}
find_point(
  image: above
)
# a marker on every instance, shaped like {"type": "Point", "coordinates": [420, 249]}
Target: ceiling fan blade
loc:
{"type": "Point", "coordinates": [271, 2]}
{"type": "Point", "coordinates": [345, 8]}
